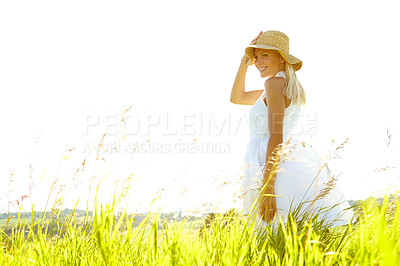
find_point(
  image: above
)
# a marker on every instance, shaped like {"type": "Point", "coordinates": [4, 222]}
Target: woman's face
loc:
{"type": "Point", "coordinates": [268, 62]}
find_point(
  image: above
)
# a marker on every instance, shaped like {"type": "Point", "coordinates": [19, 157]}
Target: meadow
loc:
{"type": "Point", "coordinates": [106, 234]}
{"type": "Point", "coordinates": [108, 237]}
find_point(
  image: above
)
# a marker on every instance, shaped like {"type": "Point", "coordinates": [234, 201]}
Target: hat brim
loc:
{"type": "Point", "coordinates": [297, 63]}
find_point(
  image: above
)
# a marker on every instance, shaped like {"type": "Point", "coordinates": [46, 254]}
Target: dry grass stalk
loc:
{"type": "Point", "coordinates": [331, 184]}
{"type": "Point", "coordinates": [389, 136]}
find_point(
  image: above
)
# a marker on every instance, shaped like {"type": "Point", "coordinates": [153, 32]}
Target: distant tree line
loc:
{"type": "Point", "coordinates": [38, 215]}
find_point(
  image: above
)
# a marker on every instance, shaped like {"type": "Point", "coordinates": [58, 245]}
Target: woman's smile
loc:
{"type": "Point", "coordinates": [267, 62]}
{"type": "Point", "coordinates": [263, 71]}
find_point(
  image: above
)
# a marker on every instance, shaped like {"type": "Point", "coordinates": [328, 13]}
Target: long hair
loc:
{"type": "Point", "coordinates": [294, 90]}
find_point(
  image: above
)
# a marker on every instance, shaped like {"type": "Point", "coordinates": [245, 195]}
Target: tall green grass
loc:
{"type": "Point", "coordinates": [105, 238]}
{"type": "Point", "coordinates": [108, 236]}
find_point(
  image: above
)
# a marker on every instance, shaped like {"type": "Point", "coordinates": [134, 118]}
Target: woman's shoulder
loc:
{"type": "Point", "coordinates": [275, 84]}
{"type": "Point", "coordinates": [279, 80]}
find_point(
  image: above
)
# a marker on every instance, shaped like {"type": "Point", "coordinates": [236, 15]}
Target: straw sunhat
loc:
{"type": "Point", "coordinates": [274, 40]}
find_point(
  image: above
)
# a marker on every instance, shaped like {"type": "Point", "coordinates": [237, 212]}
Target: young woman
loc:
{"type": "Point", "coordinates": [303, 180]}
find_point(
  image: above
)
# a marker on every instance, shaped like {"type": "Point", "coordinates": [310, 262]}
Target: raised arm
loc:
{"type": "Point", "coordinates": [238, 93]}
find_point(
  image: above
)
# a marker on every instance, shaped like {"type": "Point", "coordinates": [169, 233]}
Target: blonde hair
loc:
{"type": "Point", "coordinates": [293, 90]}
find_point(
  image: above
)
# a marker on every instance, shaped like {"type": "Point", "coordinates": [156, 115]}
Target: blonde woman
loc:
{"type": "Point", "coordinates": [303, 181]}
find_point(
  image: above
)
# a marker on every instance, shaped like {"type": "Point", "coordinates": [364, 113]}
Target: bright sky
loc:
{"type": "Point", "coordinates": [69, 70]}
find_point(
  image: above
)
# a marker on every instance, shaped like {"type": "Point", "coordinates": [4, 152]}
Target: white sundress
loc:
{"type": "Point", "coordinates": [302, 174]}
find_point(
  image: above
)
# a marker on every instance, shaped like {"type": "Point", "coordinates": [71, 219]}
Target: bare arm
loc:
{"type": "Point", "coordinates": [238, 93]}
{"type": "Point", "coordinates": [276, 110]}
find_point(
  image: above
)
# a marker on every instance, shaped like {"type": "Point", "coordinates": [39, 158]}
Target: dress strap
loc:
{"type": "Point", "coordinates": [281, 74]}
